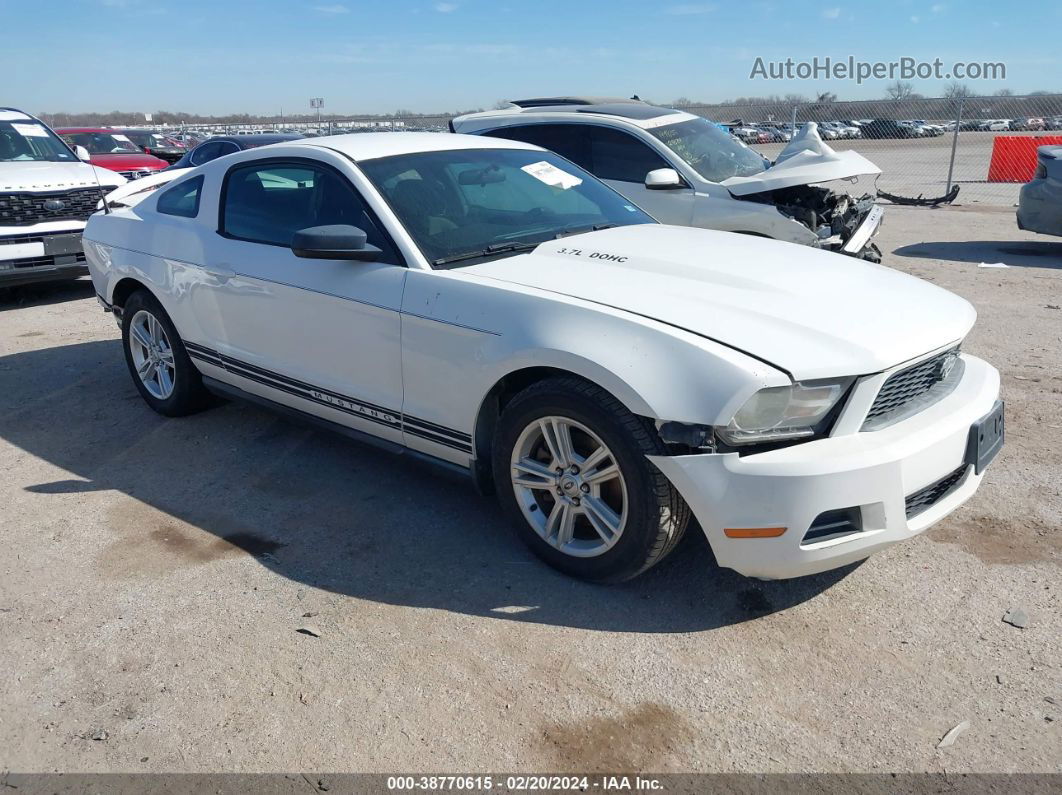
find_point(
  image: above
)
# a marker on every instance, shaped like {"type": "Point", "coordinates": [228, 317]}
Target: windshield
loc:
{"type": "Point", "coordinates": [102, 143]}
{"type": "Point", "coordinates": [471, 204]}
{"type": "Point", "coordinates": [30, 140]}
{"type": "Point", "coordinates": [712, 153]}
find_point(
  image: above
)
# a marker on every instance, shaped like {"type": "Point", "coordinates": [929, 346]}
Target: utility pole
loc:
{"type": "Point", "coordinates": [317, 102]}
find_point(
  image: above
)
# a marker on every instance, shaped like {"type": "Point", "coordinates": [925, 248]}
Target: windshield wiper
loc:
{"type": "Point", "coordinates": [493, 248]}
{"type": "Point", "coordinates": [580, 230]}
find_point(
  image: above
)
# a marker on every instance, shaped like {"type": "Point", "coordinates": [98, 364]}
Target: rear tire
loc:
{"type": "Point", "coordinates": [157, 360]}
{"type": "Point", "coordinates": [571, 471]}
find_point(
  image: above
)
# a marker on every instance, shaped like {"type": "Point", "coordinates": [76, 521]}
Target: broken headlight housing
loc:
{"type": "Point", "coordinates": [785, 413]}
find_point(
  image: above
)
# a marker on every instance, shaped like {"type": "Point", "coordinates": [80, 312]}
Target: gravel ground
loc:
{"type": "Point", "coordinates": [156, 573]}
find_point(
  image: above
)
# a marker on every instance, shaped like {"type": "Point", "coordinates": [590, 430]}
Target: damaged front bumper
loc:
{"type": "Point", "coordinates": [828, 219]}
{"type": "Point", "coordinates": [837, 500]}
{"type": "Point", "coordinates": [858, 242]}
{"type": "Point", "coordinates": [840, 223]}
{"type": "Point", "coordinates": [799, 184]}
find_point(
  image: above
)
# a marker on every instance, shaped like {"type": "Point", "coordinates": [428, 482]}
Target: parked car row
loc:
{"type": "Point", "coordinates": [113, 149]}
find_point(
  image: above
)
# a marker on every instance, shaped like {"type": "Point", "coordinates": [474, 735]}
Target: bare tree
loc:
{"type": "Point", "coordinates": [901, 89]}
{"type": "Point", "coordinates": [957, 90]}
{"type": "Point", "coordinates": [1004, 92]}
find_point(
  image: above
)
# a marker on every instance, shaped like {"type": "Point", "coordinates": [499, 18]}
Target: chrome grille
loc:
{"type": "Point", "coordinates": [24, 209]}
{"type": "Point", "coordinates": [137, 173]}
{"type": "Point", "coordinates": [914, 387]}
{"type": "Point", "coordinates": [926, 498]}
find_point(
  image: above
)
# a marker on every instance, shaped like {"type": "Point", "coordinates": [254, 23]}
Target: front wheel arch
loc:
{"type": "Point", "coordinates": [498, 397]}
{"type": "Point", "coordinates": [651, 515]}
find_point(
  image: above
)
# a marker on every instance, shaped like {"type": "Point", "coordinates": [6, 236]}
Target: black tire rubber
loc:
{"type": "Point", "coordinates": [189, 395]}
{"type": "Point", "coordinates": [657, 516]}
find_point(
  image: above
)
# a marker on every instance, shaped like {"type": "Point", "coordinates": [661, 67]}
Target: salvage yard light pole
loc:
{"type": "Point", "coordinates": [317, 102]}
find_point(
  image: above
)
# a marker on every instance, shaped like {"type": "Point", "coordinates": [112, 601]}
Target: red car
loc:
{"type": "Point", "coordinates": [111, 149]}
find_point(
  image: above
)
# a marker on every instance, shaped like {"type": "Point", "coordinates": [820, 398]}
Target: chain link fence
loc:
{"type": "Point", "coordinates": [924, 147]}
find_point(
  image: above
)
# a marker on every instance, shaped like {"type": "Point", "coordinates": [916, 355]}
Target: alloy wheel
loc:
{"type": "Point", "coordinates": [152, 354]}
{"type": "Point", "coordinates": [569, 486]}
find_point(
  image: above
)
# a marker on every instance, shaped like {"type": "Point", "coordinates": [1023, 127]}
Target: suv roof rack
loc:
{"type": "Point", "coordinates": [540, 102]}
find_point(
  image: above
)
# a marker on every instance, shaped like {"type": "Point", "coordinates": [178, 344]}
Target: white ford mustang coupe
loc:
{"type": "Point", "coordinates": [490, 305]}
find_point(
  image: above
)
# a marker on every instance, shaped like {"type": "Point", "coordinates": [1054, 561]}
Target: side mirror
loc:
{"type": "Point", "coordinates": [338, 241]}
{"type": "Point", "coordinates": [82, 153]}
{"type": "Point", "coordinates": [663, 179]}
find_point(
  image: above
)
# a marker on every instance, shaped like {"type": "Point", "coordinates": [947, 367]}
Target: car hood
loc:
{"type": "Point", "coordinates": [809, 312]}
{"type": "Point", "coordinates": [806, 160]}
{"type": "Point", "coordinates": [28, 175]}
{"type": "Point", "coordinates": [122, 162]}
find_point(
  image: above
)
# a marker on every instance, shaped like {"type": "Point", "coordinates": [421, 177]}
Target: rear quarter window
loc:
{"type": "Point", "coordinates": [181, 199]}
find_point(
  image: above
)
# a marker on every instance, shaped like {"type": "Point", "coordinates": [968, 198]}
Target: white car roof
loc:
{"type": "Point", "coordinates": [367, 146]}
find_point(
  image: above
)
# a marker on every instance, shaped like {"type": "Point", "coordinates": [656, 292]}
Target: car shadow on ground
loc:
{"type": "Point", "coordinates": [44, 293]}
{"type": "Point", "coordinates": [327, 512]}
{"type": "Point", "coordinates": [1015, 253]}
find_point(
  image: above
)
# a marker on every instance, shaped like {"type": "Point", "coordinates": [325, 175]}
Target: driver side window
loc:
{"type": "Point", "coordinates": [622, 157]}
{"type": "Point", "coordinates": [269, 201]}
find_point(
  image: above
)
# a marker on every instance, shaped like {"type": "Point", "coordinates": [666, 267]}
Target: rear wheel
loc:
{"type": "Point", "coordinates": [571, 470]}
{"type": "Point", "coordinates": [157, 360]}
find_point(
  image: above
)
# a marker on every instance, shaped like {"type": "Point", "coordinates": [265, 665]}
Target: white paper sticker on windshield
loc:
{"type": "Point", "coordinates": [30, 130]}
{"type": "Point", "coordinates": [551, 175]}
{"type": "Point", "coordinates": [120, 137]}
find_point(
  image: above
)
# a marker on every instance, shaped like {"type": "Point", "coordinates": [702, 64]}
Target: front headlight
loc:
{"type": "Point", "coordinates": [781, 413]}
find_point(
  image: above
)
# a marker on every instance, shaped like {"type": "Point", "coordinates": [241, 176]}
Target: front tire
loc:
{"type": "Point", "coordinates": [571, 471]}
{"type": "Point", "coordinates": [157, 360]}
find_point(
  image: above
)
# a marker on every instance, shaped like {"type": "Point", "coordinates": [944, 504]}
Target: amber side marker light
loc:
{"type": "Point", "coordinates": [753, 532]}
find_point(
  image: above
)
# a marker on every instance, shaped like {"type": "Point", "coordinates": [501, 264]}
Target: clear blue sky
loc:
{"type": "Point", "coordinates": [219, 57]}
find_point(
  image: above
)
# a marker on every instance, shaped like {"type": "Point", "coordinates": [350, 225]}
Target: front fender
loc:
{"type": "Point", "coordinates": [461, 335]}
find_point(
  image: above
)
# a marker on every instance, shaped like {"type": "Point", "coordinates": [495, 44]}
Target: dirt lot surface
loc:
{"type": "Point", "coordinates": [156, 573]}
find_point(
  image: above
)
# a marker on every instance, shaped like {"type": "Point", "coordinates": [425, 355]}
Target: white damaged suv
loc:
{"type": "Point", "coordinates": [46, 194]}
{"type": "Point", "coordinates": [685, 170]}
{"type": "Point", "coordinates": [488, 305]}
